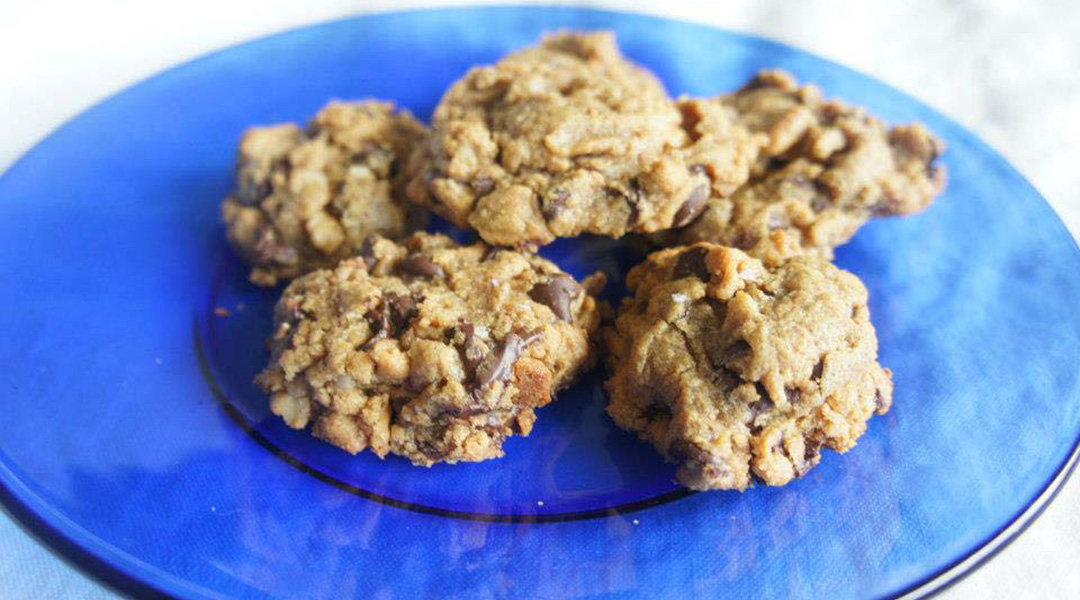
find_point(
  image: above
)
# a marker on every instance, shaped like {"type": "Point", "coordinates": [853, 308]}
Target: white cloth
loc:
{"type": "Point", "coordinates": [1004, 69]}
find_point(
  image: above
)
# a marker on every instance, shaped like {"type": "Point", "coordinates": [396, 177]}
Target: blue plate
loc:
{"type": "Point", "coordinates": [132, 437]}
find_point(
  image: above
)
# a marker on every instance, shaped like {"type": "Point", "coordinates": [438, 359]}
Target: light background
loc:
{"type": "Point", "coordinates": [1006, 70]}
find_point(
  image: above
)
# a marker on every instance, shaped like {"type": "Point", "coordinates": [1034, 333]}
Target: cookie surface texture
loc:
{"type": "Point", "coordinates": [426, 349]}
{"type": "Point", "coordinates": [304, 200]}
{"type": "Point", "coordinates": [740, 370]}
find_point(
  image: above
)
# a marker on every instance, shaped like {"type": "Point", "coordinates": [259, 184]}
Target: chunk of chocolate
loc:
{"type": "Point", "coordinates": [692, 207]}
{"type": "Point", "coordinates": [498, 366]}
{"type": "Point", "coordinates": [420, 266]}
{"type": "Point", "coordinates": [367, 252]}
{"type": "Point", "coordinates": [692, 264]}
{"type": "Point", "coordinates": [557, 294]}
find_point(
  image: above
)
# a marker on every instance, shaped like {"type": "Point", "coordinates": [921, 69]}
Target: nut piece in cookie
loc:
{"type": "Point", "coordinates": [567, 138]}
{"type": "Point", "coordinates": [426, 349]}
{"type": "Point", "coordinates": [738, 369]}
{"type": "Point", "coordinates": [825, 169]}
{"type": "Point", "coordinates": [306, 199]}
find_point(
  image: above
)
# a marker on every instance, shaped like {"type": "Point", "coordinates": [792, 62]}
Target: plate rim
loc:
{"type": "Point", "coordinates": [75, 545]}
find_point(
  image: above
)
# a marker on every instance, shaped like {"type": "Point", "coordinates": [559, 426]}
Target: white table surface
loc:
{"type": "Point", "coordinates": [1007, 70]}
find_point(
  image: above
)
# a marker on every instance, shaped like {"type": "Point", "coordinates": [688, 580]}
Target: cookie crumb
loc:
{"type": "Point", "coordinates": [221, 311]}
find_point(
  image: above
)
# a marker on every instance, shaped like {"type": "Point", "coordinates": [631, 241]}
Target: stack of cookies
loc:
{"type": "Point", "coordinates": [739, 352]}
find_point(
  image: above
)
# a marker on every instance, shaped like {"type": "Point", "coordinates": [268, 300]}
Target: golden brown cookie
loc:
{"type": "Point", "coordinates": [824, 170]}
{"type": "Point", "coordinates": [426, 349]}
{"type": "Point", "coordinates": [567, 138]}
{"type": "Point", "coordinates": [739, 369]}
{"type": "Point", "coordinates": [306, 199]}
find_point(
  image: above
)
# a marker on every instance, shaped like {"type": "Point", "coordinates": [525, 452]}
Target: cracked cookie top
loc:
{"type": "Point", "coordinates": [567, 138]}
{"type": "Point", "coordinates": [306, 199]}
{"type": "Point", "coordinates": [739, 369]}
{"type": "Point", "coordinates": [825, 168]}
{"type": "Point", "coordinates": [426, 349]}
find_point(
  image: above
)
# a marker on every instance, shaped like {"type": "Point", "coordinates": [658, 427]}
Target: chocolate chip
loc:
{"type": "Point", "coordinates": [555, 204]}
{"type": "Point", "coordinates": [737, 350]}
{"type": "Point", "coordinates": [367, 252]}
{"type": "Point", "coordinates": [760, 407]}
{"type": "Point", "coordinates": [420, 266]}
{"type": "Point", "coordinates": [695, 203]}
{"type": "Point", "coordinates": [656, 411]}
{"type": "Point", "coordinates": [483, 185]}
{"type": "Point", "coordinates": [692, 264]}
{"type": "Point", "coordinates": [397, 403]}
{"type": "Point", "coordinates": [430, 451]}
{"type": "Point", "coordinates": [402, 311]}
{"type": "Point", "coordinates": [281, 164]}
{"type": "Point", "coordinates": [793, 395]}
{"type": "Point", "coordinates": [634, 195]}
{"type": "Point", "coordinates": [761, 391]}
{"type": "Point", "coordinates": [556, 293]}
{"type": "Point", "coordinates": [697, 169]}
{"type": "Point", "coordinates": [393, 316]}
{"type": "Point", "coordinates": [756, 410]}
{"type": "Point", "coordinates": [879, 401]}
{"type": "Point", "coordinates": [472, 353]}
{"type": "Point", "coordinates": [467, 410]}
{"type": "Point", "coordinates": [819, 368]}
{"type": "Point", "coordinates": [489, 253]}
{"type": "Point", "coordinates": [497, 366]}
{"type": "Point", "coordinates": [724, 377]}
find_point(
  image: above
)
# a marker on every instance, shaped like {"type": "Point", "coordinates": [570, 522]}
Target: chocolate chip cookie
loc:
{"type": "Point", "coordinates": [824, 168]}
{"type": "Point", "coordinates": [737, 368]}
{"type": "Point", "coordinates": [426, 349]}
{"type": "Point", "coordinates": [567, 138]}
{"type": "Point", "coordinates": [306, 199]}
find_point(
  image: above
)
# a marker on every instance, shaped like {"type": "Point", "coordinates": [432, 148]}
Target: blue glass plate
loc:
{"type": "Point", "coordinates": [132, 437]}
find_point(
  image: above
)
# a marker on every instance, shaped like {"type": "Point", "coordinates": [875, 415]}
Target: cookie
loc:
{"type": "Point", "coordinates": [824, 169]}
{"type": "Point", "coordinates": [738, 369]}
{"type": "Point", "coordinates": [306, 199]}
{"type": "Point", "coordinates": [426, 349]}
{"type": "Point", "coordinates": [568, 138]}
